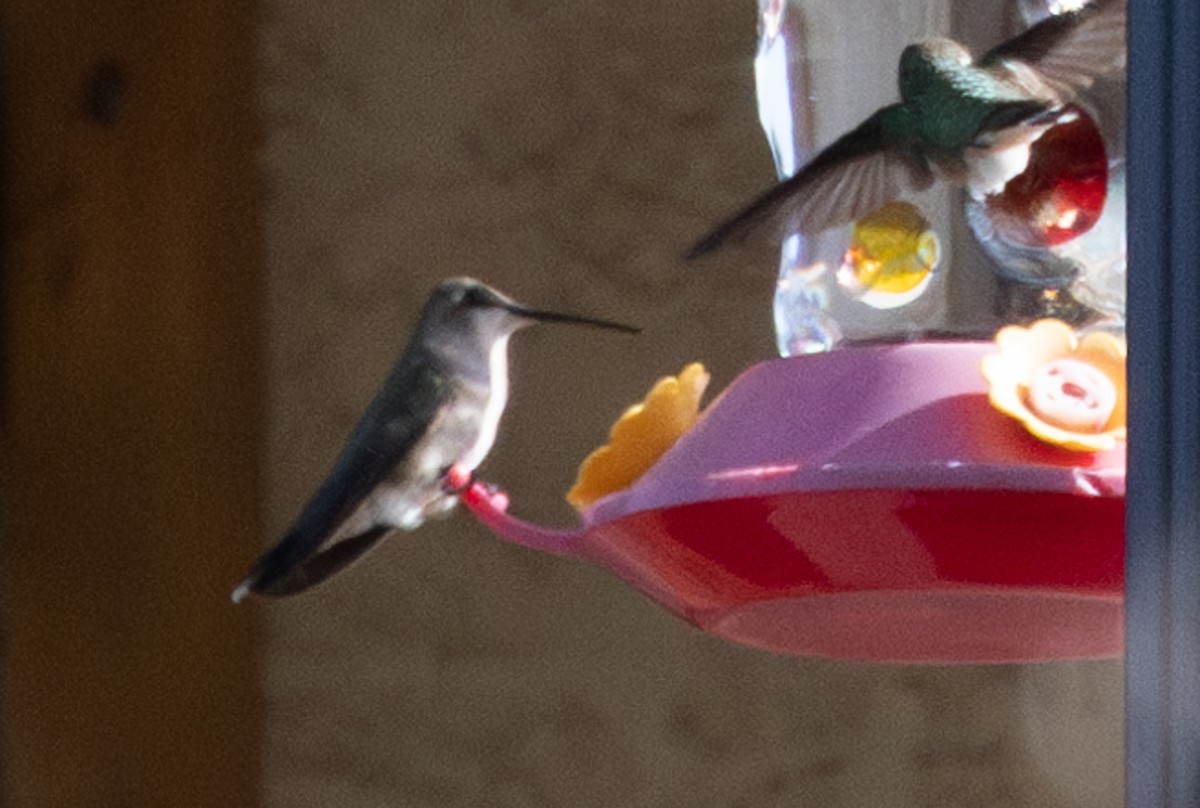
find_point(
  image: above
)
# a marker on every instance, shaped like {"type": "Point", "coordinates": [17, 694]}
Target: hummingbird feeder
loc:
{"type": "Point", "coordinates": [934, 471]}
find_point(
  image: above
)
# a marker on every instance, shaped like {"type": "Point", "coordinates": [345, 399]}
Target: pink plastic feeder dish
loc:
{"type": "Point", "coordinates": [867, 503]}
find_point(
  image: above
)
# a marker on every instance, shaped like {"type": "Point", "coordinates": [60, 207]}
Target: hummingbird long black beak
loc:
{"type": "Point", "coordinates": [555, 317]}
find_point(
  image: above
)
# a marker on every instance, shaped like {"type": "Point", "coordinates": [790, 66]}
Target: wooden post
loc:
{"type": "Point", "coordinates": [130, 342]}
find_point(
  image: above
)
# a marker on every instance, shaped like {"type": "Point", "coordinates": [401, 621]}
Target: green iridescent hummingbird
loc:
{"type": "Point", "coordinates": [963, 120]}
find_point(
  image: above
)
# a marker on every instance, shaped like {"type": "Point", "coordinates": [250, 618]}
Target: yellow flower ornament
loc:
{"type": "Point", "coordinates": [642, 434]}
{"type": "Point", "coordinates": [1066, 391]}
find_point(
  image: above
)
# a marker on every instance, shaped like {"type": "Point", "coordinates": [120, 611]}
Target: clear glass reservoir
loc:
{"type": "Point", "coordinates": [1037, 233]}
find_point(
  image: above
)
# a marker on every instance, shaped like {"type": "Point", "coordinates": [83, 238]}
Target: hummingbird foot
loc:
{"type": "Point", "coordinates": [486, 494]}
{"type": "Point", "coordinates": [457, 479]}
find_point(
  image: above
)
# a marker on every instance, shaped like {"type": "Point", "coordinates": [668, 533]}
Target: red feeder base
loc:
{"type": "Point", "coordinates": [868, 504]}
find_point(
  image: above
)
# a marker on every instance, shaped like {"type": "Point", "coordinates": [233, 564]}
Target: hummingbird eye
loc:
{"type": "Point", "coordinates": [476, 296]}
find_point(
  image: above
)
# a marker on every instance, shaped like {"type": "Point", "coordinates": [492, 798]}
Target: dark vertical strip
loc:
{"type": "Point", "coordinates": [1163, 529]}
{"type": "Point", "coordinates": [130, 321]}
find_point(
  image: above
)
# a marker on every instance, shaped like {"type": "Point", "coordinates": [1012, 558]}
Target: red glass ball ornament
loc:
{"type": "Point", "coordinates": [1061, 193]}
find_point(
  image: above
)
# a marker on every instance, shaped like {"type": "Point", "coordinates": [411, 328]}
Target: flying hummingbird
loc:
{"type": "Point", "coordinates": [419, 442]}
{"type": "Point", "coordinates": [968, 121]}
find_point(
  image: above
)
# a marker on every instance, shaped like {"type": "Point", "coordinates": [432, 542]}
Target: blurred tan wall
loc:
{"type": "Point", "coordinates": [565, 152]}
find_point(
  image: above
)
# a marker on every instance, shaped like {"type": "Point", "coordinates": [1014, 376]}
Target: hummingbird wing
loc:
{"type": "Point", "coordinates": [1069, 51]}
{"type": "Point", "coordinates": [317, 568]}
{"type": "Point", "coordinates": [853, 176]}
{"type": "Point", "coordinates": [394, 423]}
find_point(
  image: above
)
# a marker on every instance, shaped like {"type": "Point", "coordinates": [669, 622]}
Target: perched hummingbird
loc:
{"type": "Point", "coordinates": [968, 121]}
{"type": "Point", "coordinates": [420, 440]}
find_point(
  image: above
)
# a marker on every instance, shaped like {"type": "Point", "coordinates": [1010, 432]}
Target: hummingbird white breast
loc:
{"type": "Point", "coordinates": [461, 435]}
{"type": "Point", "coordinates": [988, 169]}
{"type": "Point", "coordinates": [497, 398]}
